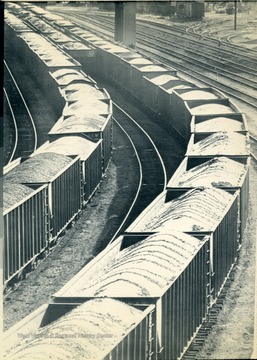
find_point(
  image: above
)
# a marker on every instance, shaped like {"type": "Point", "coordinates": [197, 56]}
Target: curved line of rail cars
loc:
{"type": "Point", "coordinates": [45, 192]}
{"type": "Point", "coordinates": [167, 269]}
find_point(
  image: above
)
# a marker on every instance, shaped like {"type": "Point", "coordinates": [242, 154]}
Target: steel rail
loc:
{"type": "Point", "coordinates": [199, 74]}
{"type": "Point", "coordinates": [139, 185]}
{"type": "Point", "coordinates": [15, 126]}
{"type": "Point", "coordinates": [140, 165]}
{"type": "Point", "coordinates": [151, 140]}
{"type": "Point", "coordinates": [25, 104]}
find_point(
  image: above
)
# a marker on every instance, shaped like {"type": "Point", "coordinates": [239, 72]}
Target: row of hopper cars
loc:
{"type": "Point", "coordinates": [146, 295]}
{"type": "Point", "coordinates": [44, 193]}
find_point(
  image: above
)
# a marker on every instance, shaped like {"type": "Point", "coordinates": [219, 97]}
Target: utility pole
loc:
{"type": "Point", "coordinates": [235, 15]}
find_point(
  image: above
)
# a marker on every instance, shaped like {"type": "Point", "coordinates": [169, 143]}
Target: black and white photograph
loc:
{"type": "Point", "coordinates": [129, 180]}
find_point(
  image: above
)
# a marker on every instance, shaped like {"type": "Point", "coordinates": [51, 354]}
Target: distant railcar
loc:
{"type": "Point", "coordinates": [190, 9]}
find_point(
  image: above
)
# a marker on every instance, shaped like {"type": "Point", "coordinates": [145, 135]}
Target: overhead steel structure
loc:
{"type": "Point", "coordinates": [125, 22]}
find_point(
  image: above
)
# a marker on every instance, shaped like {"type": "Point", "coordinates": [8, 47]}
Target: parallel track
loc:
{"type": "Point", "coordinates": [219, 71]}
{"type": "Point", "coordinates": [152, 177]}
{"type": "Point", "coordinates": [206, 327]}
{"type": "Point", "coordinates": [25, 141]}
{"type": "Point", "coordinates": [10, 131]}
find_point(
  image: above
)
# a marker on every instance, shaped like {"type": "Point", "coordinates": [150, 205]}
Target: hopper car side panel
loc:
{"type": "Point", "coordinates": [107, 143]}
{"type": "Point", "coordinates": [26, 232]}
{"type": "Point", "coordinates": [65, 197]}
{"type": "Point", "coordinates": [93, 173]}
{"type": "Point", "coordinates": [139, 343]}
{"type": "Point", "coordinates": [184, 305]}
{"type": "Point", "coordinates": [225, 244]}
{"type": "Point", "coordinates": [150, 94]}
{"type": "Point", "coordinates": [244, 204]}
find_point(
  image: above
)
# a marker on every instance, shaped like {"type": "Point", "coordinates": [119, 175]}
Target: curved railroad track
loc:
{"type": "Point", "coordinates": [10, 131]}
{"type": "Point", "coordinates": [24, 134]}
{"type": "Point", "coordinates": [152, 172]}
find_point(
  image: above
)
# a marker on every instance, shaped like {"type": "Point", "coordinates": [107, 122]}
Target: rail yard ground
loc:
{"type": "Point", "coordinates": [232, 336]}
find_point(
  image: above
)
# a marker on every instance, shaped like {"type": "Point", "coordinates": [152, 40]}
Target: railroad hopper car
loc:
{"type": "Point", "coordinates": [68, 85]}
{"type": "Point", "coordinates": [57, 21]}
{"type": "Point", "coordinates": [84, 54]}
{"type": "Point", "coordinates": [118, 75]}
{"type": "Point", "coordinates": [121, 65]}
{"type": "Point", "coordinates": [190, 9]}
{"type": "Point", "coordinates": [66, 76]}
{"type": "Point", "coordinates": [46, 58]}
{"type": "Point", "coordinates": [58, 79]}
{"type": "Point", "coordinates": [138, 73]}
{"type": "Point", "coordinates": [157, 90]}
{"type": "Point", "coordinates": [124, 67]}
{"type": "Point", "coordinates": [37, 25]}
{"type": "Point", "coordinates": [14, 25]}
{"type": "Point", "coordinates": [183, 102]}
{"type": "Point", "coordinates": [227, 173]}
{"type": "Point", "coordinates": [171, 286]}
{"type": "Point", "coordinates": [26, 226]}
{"type": "Point", "coordinates": [105, 55]}
{"type": "Point", "coordinates": [220, 106]}
{"type": "Point", "coordinates": [219, 143]}
{"type": "Point", "coordinates": [91, 117]}
{"type": "Point", "coordinates": [203, 211]}
{"type": "Point", "coordinates": [90, 154]}
{"type": "Point", "coordinates": [62, 175]}
{"type": "Point", "coordinates": [97, 329]}
{"type": "Point", "coordinates": [207, 124]}
{"type": "Point", "coordinates": [13, 7]}
{"type": "Point", "coordinates": [39, 58]}
{"type": "Point", "coordinates": [233, 145]}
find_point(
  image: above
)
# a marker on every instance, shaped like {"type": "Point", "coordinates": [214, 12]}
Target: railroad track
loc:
{"type": "Point", "coordinates": [10, 130]}
{"type": "Point", "coordinates": [152, 172]}
{"type": "Point", "coordinates": [206, 327]}
{"type": "Point", "coordinates": [199, 61]}
{"type": "Point", "coordinates": [215, 47]}
{"type": "Point", "coordinates": [230, 54]}
{"type": "Point", "coordinates": [23, 131]}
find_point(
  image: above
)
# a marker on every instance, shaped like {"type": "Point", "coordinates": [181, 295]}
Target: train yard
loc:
{"type": "Point", "coordinates": [203, 59]}
{"type": "Point", "coordinates": [142, 135]}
